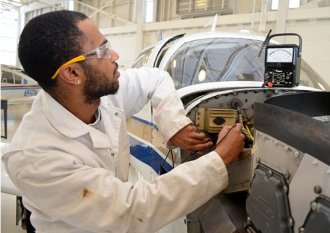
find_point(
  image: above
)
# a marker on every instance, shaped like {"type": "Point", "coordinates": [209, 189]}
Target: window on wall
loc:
{"type": "Point", "coordinates": [196, 8]}
{"type": "Point", "coordinates": [292, 4]}
{"type": "Point", "coordinates": [149, 11]}
{"type": "Point", "coordinates": [71, 5]}
{"type": "Point", "coordinates": [8, 36]}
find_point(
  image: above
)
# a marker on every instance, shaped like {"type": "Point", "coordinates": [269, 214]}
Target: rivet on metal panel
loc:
{"type": "Point", "coordinates": [314, 206]}
{"type": "Point", "coordinates": [315, 163]}
{"type": "Point", "coordinates": [290, 222]}
{"type": "Point", "coordinates": [285, 188]}
{"type": "Point", "coordinates": [258, 160]}
{"type": "Point", "coordinates": [301, 230]}
{"type": "Point", "coordinates": [269, 173]}
{"type": "Point", "coordinates": [317, 189]}
{"type": "Point", "coordinates": [186, 221]}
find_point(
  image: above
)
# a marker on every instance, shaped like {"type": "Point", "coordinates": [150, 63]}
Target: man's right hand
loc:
{"type": "Point", "coordinates": [231, 146]}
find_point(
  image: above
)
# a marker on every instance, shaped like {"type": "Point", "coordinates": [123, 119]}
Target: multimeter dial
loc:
{"type": "Point", "coordinates": [279, 55]}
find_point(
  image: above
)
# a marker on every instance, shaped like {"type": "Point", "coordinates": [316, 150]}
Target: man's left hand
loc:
{"type": "Point", "coordinates": [188, 138]}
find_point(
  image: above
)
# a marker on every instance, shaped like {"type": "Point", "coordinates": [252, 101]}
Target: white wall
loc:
{"type": "Point", "coordinates": [8, 37]}
{"type": "Point", "coordinates": [316, 44]}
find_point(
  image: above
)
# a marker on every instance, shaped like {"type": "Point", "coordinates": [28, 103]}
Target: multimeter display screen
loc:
{"type": "Point", "coordinates": [279, 55]}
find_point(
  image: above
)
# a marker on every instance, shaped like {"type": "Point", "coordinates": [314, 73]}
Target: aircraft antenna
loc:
{"type": "Point", "coordinates": [264, 43]}
{"type": "Point", "coordinates": [212, 23]}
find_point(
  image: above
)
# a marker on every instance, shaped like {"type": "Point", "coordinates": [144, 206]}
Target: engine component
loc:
{"type": "Point", "coordinates": [267, 203]}
{"type": "Point", "coordinates": [212, 120]}
{"type": "Point", "coordinates": [318, 219]}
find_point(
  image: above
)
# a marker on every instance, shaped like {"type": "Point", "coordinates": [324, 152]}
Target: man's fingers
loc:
{"type": "Point", "coordinates": [198, 135]}
{"type": "Point", "coordinates": [200, 146]}
{"type": "Point", "coordinates": [191, 128]}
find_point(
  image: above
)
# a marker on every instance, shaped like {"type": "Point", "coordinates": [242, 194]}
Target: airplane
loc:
{"type": "Point", "coordinates": [16, 84]}
{"type": "Point", "coordinates": [281, 182]}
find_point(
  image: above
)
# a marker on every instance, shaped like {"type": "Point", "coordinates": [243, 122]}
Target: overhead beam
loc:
{"type": "Point", "coordinates": [101, 8]}
{"type": "Point", "coordinates": [296, 14]}
{"type": "Point", "coordinates": [105, 13]}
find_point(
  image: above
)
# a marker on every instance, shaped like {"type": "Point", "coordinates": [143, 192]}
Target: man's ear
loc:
{"type": "Point", "coordinates": [71, 73]}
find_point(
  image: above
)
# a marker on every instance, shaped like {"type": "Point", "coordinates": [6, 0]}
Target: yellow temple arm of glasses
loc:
{"type": "Point", "coordinates": [73, 60]}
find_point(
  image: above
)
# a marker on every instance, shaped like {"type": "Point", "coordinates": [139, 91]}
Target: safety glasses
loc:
{"type": "Point", "coordinates": [104, 51]}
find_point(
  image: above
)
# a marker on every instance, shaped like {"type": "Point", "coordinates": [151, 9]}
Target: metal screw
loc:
{"type": "Point", "coordinates": [301, 230]}
{"type": "Point", "coordinates": [269, 173]}
{"type": "Point", "coordinates": [314, 206]}
{"type": "Point", "coordinates": [317, 189]}
{"type": "Point", "coordinates": [285, 189]}
{"type": "Point", "coordinates": [290, 221]}
{"type": "Point", "coordinates": [315, 163]}
{"type": "Point", "coordinates": [258, 159]}
{"type": "Point", "coordinates": [186, 221]}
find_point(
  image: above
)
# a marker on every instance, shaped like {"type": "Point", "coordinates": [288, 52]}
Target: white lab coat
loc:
{"type": "Point", "coordinates": [74, 178]}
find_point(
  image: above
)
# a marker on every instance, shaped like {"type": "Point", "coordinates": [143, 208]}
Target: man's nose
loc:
{"type": "Point", "coordinates": [114, 55]}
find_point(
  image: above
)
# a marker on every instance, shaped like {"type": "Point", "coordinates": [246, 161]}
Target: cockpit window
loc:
{"type": "Point", "coordinates": [216, 59]}
{"type": "Point", "coordinates": [142, 58]}
{"type": "Point", "coordinates": [222, 59]}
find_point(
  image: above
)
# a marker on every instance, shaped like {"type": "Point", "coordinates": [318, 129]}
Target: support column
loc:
{"type": "Point", "coordinates": [281, 19]}
{"type": "Point", "coordinates": [140, 11]}
{"type": "Point", "coordinates": [263, 15]}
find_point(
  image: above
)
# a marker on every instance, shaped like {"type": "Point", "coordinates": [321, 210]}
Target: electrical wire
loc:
{"type": "Point", "coordinates": [213, 148]}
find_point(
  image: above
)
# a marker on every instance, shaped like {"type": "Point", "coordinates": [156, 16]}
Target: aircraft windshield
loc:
{"type": "Point", "coordinates": [224, 59]}
{"type": "Point", "coordinates": [216, 59]}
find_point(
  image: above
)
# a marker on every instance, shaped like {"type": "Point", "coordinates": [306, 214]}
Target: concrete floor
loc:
{"type": "Point", "coordinates": [8, 215]}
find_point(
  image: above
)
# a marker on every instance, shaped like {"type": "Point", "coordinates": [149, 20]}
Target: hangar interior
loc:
{"type": "Point", "coordinates": [132, 25]}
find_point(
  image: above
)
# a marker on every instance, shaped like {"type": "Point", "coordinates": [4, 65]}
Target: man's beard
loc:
{"type": "Point", "coordinates": [97, 85]}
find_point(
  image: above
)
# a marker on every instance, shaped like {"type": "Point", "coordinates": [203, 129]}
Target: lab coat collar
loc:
{"type": "Point", "coordinates": [68, 124]}
{"type": "Point", "coordinates": [61, 119]}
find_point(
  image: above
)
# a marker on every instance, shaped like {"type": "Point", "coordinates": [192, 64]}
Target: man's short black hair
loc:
{"type": "Point", "coordinates": [47, 42]}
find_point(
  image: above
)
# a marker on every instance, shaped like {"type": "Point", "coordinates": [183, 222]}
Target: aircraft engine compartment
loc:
{"type": "Point", "coordinates": [274, 186]}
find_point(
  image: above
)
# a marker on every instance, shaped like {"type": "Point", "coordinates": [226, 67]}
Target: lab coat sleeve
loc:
{"type": "Point", "coordinates": [93, 199]}
{"type": "Point", "coordinates": [138, 86]}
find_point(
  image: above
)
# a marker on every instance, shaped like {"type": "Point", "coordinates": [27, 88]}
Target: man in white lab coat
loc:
{"type": "Point", "coordinates": [70, 155]}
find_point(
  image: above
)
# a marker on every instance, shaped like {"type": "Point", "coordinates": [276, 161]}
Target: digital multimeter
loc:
{"type": "Point", "coordinates": [282, 63]}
